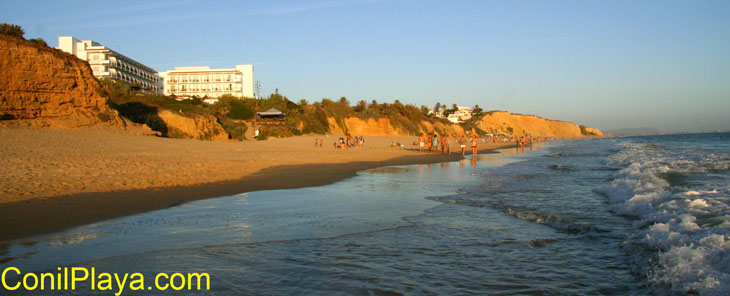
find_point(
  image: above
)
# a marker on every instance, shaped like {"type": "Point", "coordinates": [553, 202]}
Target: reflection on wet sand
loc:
{"type": "Point", "coordinates": [388, 170]}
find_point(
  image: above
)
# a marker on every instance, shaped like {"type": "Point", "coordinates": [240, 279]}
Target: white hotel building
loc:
{"type": "Point", "coordinates": [185, 82]}
{"type": "Point", "coordinates": [106, 63]}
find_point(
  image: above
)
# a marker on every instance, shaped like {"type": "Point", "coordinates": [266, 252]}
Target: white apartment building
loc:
{"type": "Point", "coordinates": [185, 82]}
{"type": "Point", "coordinates": [460, 115]}
{"type": "Point", "coordinates": [106, 63]}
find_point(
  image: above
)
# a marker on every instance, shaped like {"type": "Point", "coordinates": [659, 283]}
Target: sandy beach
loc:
{"type": "Point", "coordinates": [98, 174]}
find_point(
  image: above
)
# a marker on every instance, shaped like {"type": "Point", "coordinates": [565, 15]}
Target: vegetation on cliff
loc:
{"type": "Point", "coordinates": [235, 115]}
{"type": "Point", "coordinates": [59, 85]}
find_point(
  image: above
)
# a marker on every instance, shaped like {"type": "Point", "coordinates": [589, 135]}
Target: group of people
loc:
{"type": "Point", "coordinates": [527, 141]}
{"type": "Point", "coordinates": [431, 143]}
{"type": "Point", "coordinates": [350, 142]}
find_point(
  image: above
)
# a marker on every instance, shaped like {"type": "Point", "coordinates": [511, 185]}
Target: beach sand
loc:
{"type": "Point", "coordinates": [54, 179]}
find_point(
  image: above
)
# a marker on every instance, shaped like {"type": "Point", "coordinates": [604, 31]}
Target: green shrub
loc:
{"type": "Point", "coordinates": [12, 30]}
{"type": "Point", "coordinates": [314, 120]}
{"type": "Point", "coordinates": [39, 41]}
{"type": "Point", "coordinates": [118, 92]}
{"type": "Point", "coordinates": [240, 111]}
{"type": "Point", "coordinates": [236, 131]}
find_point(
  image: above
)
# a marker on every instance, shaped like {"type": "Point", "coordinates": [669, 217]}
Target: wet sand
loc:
{"type": "Point", "coordinates": [56, 179]}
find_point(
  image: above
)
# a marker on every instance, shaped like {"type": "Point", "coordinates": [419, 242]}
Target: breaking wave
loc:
{"type": "Point", "coordinates": [680, 198]}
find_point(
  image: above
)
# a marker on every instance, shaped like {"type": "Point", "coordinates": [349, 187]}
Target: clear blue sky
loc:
{"type": "Point", "coordinates": [606, 64]}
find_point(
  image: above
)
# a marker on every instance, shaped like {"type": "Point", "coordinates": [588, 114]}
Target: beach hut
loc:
{"type": "Point", "coordinates": [271, 115]}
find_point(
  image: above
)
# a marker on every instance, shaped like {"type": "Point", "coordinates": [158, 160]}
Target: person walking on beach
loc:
{"type": "Point", "coordinates": [443, 144]}
{"type": "Point", "coordinates": [474, 145]}
{"type": "Point", "coordinates": [448, 144]}
{"type": "Point", "coordinates": [421, 142]}
{"type": "Point", "coordinates": [462, 144]}
{"type": "Point", "coordinates": [435, 144]}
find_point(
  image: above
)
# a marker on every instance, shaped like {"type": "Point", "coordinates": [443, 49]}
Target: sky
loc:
{"type": "Point", "coordinates": [605, 64]}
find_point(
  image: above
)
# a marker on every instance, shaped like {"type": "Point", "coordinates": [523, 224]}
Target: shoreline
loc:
{"type": "Point", "coordinates": [28, 218]}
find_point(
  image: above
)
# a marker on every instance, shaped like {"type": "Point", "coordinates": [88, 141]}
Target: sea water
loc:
{"type": "Point", "coordinates": [613, 216]}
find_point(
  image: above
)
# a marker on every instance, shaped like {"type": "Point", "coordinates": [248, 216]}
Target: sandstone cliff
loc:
{"type": "Point", "coordinates": [175, 124]}
{"type": "Point", "coordinates": [495, 122]}
{"type": "Point", "coordinates": [383, 127]}
{"type": "Point", "coordinates": [44, 86]}
{"type": "Point", "coordinates": [517, 125]}
{"type": "Point", "coordinates": [369, 127]}
{"type": "Point", "coordinates": [192, 126]}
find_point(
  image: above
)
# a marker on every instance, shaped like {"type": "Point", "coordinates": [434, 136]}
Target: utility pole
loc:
{"type": "Point", "coordinates": [257, 88]}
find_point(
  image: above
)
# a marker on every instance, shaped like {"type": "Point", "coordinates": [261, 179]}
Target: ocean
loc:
{"type": "Point", "coordinates": [611, 216]}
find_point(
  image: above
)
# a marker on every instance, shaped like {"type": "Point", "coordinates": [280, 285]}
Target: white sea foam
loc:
{"type": "Point", "coordinates": [682, 227]}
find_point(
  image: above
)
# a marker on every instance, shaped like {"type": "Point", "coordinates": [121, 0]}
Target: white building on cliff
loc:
{"type": "Point", "coordinates": [107, 63]}
{"type": "Point", "coordinates": [185, 82]}
{"type": "Point", "coordinates": [460, 115]}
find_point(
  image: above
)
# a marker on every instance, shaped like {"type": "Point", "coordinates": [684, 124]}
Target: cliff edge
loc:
{"type": "Point", "coordinates": [494, 122]}
{"type": "Point", "coordinates": [518, 125]}
{"type": "Point", "coordinates": [43, 86]}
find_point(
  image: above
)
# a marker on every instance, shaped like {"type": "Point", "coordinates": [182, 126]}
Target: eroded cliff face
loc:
{"type": "Point", "coordinates": [496, 122]}
{"type": "Point", "coordinates": [175, 124]}
{"type": "Point", "coordinates": [192, 126]}
{"type": "Point", "coordinates": [44, 86]}
{"type": "Point", "coordinates": [368, 128]}
{"type": "Point", "coordinates": [592, 131]}
{"type": "Point", "coordinates": [517, 125]}
{"type": "Point", "coordinates": [383, 127]}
